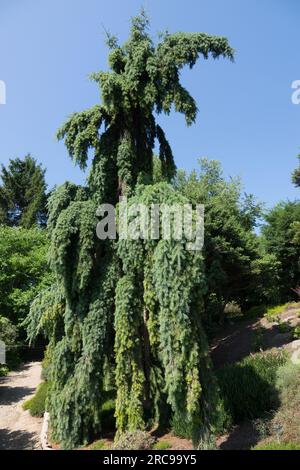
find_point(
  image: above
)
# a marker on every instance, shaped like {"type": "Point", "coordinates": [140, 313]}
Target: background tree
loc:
{"type": "Point", "coordinates": [23, 271]}
{"type": "Point", "coordinates": [230, 245]}
{"type": "Point", "coordinates": [23, 193]}
{"type": "Point", "coordinates": [93, 328]}
{"type": "Point", "coordinates": [264, 286]}
{"type": "Point", "coordinates": [296, 175]}
{"type": "Point", "coordinates": [280, 239]}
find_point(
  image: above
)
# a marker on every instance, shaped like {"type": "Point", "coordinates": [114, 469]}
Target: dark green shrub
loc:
{"type": "Point", "coordinates": [248, 387]}
{"type": "Point", "coordinates": [36, 404]}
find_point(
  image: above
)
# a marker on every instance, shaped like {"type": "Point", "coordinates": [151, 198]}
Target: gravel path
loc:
{"type": "Point", "coordinates": [19, 430]}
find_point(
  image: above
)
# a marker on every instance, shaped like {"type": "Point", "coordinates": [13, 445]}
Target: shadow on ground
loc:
{"type": "Point", "coordinates": [11, 395]}
{"type": "Point", "coordinates": [234, 343]}
{"type": "Point", "coordinates": [243, 437]}
{"type": "Point", "coordinates": [237, 341]}
{"type": "Point", "coordinates": [17, 440]}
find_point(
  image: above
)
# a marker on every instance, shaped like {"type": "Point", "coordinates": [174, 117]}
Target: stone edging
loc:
{"type": "Point", "coordinates": [44, 432]}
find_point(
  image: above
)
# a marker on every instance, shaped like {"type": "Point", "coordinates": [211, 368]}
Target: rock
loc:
{"type": "Point", "coordinates": [296, 344]}
{"type": "Point", "coordinates": [296, 357]}
{"type": "Point", "coordinates": [291, 317]}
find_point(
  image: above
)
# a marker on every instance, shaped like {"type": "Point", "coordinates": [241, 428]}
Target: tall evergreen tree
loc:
{"type": "Point", "coordinates": [132, 304]}
{"type": "Point", "coordinates": [23, 193]}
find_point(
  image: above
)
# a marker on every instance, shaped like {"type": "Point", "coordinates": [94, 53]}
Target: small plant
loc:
{"type": "Point", "coordinates": [262, 426]}
{"type": "Point", "coordinates": [162, 445]}
{"type": "Point", "coordinates": [296, 332]}
{"type": "Point", "coordinates": [284, 327]}
{"type": "Point", "coordinates": [288, 381]}
{"type": "Point", "coordinates": [207, 442]}
{"type": "Point", "coordinates": [138, 440]}
{"type": "Point", "coordinates": [258, 339]}
{"type": "Point", "coordinates": [36, 405]}
{"type": "Point", "coordinates": [3, 370]}
{"type": "Point", "coordinates": [233, 311]}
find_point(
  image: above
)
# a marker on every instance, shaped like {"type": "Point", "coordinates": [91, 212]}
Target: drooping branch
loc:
{"type": "Point", "coordinates": [81, 132]}
{"type": "Point", "coordinates": [165, 154]}
{"type": "Point", "coordinates": [173, 53]}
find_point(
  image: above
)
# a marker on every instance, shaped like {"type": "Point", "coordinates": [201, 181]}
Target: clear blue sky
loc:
{"type": "Point", "coordinates": [246, 118]}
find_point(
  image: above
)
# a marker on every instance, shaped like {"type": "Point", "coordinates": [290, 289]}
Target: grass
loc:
{"type": "Point", "coordinates": [36, 404]}
{"type": "Point", "coordinates": [98, 445]}
{"type": "Point", "coordinates": [287, 417]}
{"type": "Point", "coordinates": [282, 428]}
{"type": "Point", "coordinates": [162, 445]}
{"type": "Point", "coordinates": [272, 312]}
{"type": "Point", "coordinates": [277, 446]}
{"type": "Point", "coordinates": [248, 387]}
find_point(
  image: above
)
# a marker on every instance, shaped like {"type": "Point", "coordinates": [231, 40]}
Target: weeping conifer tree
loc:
{"type": "Point", "coordinates": [129, 307]}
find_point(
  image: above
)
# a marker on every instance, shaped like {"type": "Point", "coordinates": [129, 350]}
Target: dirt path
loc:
{"type": "Point", "coordinates": [19, 430]}
{"type": "Point", "coordinates": [235, 342]}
